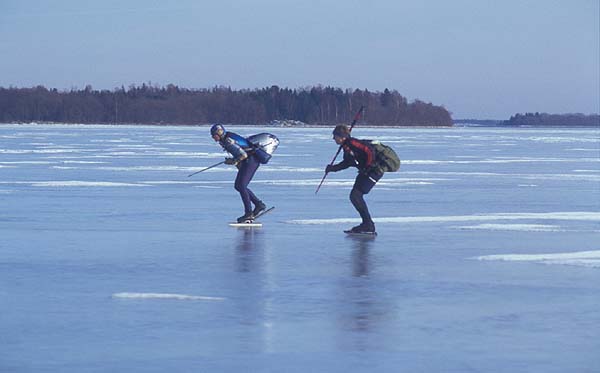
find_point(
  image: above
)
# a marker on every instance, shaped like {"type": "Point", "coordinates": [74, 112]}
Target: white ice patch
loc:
{"type": "Point", "coordinates": [535, 177]}
{"type": "Point", "coordinates": [499, 160]}
{"type": "Point", "coordinates": [192, 154]}
{"type": "Point", "coordinates": [26, 162]}
{"type": "Point", "coordinates": [290, 169]}
{"type": "Point", "coordinates": [76, 183]}
{"type": "Point", "coordinates": [84, 162]}
{"type": "Point", "coordinates": [147, 168]}
{"type": "Point", "coordinates": [216, 169]}
{"type": "Point", "coordinates": [164, 296]}
{"type": "Point", "coordinates": [579, 216]}
{"type": "Point", "coordinates": [515, 227]}
{"type": "Point", "coordinates": [42, 151]}
{"type": "Point", "coordinates": [350, 182]}
{"type": "Point", "coordinates": [194, 183]}
{"type": "Point", "coordinates": [581, 258]}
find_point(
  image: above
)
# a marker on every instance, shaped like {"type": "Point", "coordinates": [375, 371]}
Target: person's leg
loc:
{"type": "Point", "coordinates": [247, 170]}
{"type": "Point", "coordinates": [252, 167]}
{"type": "Point", "coordinates": [363, 185]}
{"type": "Point", "coordinates": [358, 201]}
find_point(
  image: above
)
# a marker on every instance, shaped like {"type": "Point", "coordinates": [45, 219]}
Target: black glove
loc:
{"type": "Point", "coordinates": [329, 169]}
{"type": "Point", "coordinates": [230, 161]}
{"type": "Point", "coordinates": [372, 171]}
{"type": "Point", "coordinates": [366, 170]}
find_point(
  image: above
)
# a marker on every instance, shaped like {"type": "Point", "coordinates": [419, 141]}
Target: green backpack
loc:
{"type": "Point", "coordinates": [385, 157]}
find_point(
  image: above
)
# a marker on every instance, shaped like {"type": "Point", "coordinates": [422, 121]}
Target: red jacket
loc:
{"type": "Point", "coordinates": [357, 153]}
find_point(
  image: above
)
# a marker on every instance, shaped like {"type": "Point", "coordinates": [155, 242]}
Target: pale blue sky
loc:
{"type": "Point", "coordinates": [480, 59]}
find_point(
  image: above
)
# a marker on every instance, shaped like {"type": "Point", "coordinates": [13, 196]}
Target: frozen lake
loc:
{"type": "Point", "coordinates": [113, 260]}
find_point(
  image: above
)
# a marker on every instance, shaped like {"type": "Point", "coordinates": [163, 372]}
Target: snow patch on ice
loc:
{"type": "Point", "coordinates": [26, 162]}
{"type": "Point", "coordinates": [498, 160]}
{"type": "Point", "coordinates": [164, 296]}
{"type": "Point", "coordinates": [579, 215]}
{"type": "Point", "coordinates": [350, 182]}
{"type": "Point", "coordinates": [290, 169]}
{"type": "Point", "coordinates": [580, 258]}
{"type": "Point", "coordinates": [192, 154]}
{"type": "Point", "coordinates": [42, 151]}
{"type": "Point", "coordinates": [515, 227]}
{"type": "Point", "coordinates": [76, 183]}
{"type": "Point", "coordinates": [146, 168]}
{"type": "Point", "coordinates": [84, 162]}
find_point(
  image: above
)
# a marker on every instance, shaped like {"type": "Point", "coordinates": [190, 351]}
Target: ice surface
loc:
{"type": "Point", "coordinates": [112, 259]}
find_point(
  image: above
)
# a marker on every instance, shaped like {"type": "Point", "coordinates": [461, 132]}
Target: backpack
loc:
{"type": "Point", "coordinates": [264, 144]}
{"type": "Point", "coordinates": [385, 157]}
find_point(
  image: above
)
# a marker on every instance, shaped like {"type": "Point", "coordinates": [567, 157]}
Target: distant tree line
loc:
{"type": "Point", "coordinates": [544, 119]}
{"type": "Point", "coordinates": [174, 105]}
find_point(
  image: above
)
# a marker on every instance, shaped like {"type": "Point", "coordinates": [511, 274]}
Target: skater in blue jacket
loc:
{"type": "Point", "coordinates": [244, 157]}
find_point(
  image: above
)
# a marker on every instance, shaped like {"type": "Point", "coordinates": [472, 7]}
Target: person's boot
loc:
{"type": "Point", "coordinates": [363, 228]}
{"type": "Point", "coordinates": [368, 227]}
{"type": "Point", "coordinates": [258, 208]}
{"type": "Point", "coordinates": [355, 229]}
{"type": "Point", "coordinates": [246, 218]}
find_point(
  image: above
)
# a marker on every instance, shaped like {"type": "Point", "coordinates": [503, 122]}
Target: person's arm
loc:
{"type": "Point", "coordinates": [348, 161]}
{"type": "Point", "coordinates": [234, 149]}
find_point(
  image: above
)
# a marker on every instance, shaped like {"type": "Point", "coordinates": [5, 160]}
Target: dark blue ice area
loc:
{"type": "Point", "coordinates": [90, 212]}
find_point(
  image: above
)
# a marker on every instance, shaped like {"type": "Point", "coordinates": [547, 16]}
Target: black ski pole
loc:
{"type": "Point", "coordinates": [356, 118]}
{"type": "Point", "coordinates": [207, 168]}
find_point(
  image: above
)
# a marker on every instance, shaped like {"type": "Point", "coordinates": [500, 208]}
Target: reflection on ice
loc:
{"type": "Point", "coordinates": [249, 250]}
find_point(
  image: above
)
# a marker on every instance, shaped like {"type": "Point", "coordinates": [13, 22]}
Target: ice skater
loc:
{"type": "Point", "coordinates": [372, 160]}
{"type": "Point", "coordinates": [247, 154]}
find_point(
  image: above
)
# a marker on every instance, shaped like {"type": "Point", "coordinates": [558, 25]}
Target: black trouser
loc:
{"type": "Point", "coordinates": [245, 174]}
{"type": "Point", "coordinates": [363, 185]}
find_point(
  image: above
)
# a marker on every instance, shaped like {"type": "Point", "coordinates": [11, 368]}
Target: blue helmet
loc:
{"type": "Point", "coordinates": [217, 129]}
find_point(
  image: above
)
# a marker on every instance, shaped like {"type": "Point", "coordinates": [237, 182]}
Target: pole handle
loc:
{"type": "Point", "coordinates": [356, 118]}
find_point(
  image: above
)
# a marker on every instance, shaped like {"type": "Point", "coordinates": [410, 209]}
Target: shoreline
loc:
{"type": "Point", "coordinates": [461, 125]}
{"type": "Point", "coordinates": [206, 125]}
